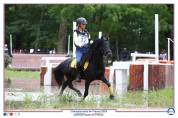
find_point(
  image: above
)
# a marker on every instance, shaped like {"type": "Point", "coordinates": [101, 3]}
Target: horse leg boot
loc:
{"type": "Point", "coordinates": [103, 79]}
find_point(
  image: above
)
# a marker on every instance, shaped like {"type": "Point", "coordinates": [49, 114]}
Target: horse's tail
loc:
{"type": "Point", "coordinates": [59, 75]}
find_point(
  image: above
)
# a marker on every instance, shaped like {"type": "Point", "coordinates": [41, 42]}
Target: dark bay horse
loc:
{"type": "Point", "coordinates": [94, 71]}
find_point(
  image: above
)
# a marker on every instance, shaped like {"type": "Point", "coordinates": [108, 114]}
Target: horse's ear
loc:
{"type": "Point", "coordinates": [102, 37]}
{"type": "Point", "coordinates": [105, 39]}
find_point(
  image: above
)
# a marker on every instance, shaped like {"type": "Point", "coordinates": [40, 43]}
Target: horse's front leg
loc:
{"type": "Point", "coordinates": [64, 85]}
{"type": "Point", "coordinates": [76, 90]}
{"type": "Point", "coordinates": [103, 79]}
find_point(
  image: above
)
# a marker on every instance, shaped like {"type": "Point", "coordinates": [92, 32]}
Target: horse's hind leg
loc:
{"type": "Point", "coordinates": [87, 84]}
{"type": "Point", "coordinates": [76, 90]}
{"type": "Point", "coordinates": [103, 79]}
{"type": "Point", "coordinates": [64, 85]}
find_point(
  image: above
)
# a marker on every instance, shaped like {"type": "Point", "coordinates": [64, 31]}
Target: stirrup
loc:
{"type": "Point", "coordinates": [73, 64]}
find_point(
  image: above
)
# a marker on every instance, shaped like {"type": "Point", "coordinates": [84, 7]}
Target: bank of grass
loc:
{"type": "Point", "coordinates": [17, 74]}
{"type": "Point", "coordinates": [138, 99]}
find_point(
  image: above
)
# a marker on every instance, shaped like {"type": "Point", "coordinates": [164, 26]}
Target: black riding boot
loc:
{"type": "Point", "coordinates": [79, 69]}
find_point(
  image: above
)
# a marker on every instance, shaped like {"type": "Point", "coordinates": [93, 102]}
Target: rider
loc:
{"type": "Point", "coordinates": [81, 41]}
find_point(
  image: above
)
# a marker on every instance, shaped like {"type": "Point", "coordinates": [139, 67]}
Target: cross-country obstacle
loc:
{"type": "Point", "coordinates": [141, 75]}
{"type": "Point", "coordinates": [124, 76]}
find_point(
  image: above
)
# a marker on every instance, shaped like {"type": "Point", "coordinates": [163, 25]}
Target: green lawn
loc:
{"type": "Point", "coordinates": [138, 99]}
{"type": "Point", "coordinates": [14, 74]}
{"type": "Point", "coordinates": [163, 98]}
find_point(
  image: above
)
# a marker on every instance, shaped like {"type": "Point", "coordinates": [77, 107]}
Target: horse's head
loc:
{"type": "Point", "coordinates": [105, 47]}
{"type": "Point", "coordinates": [102, 46]}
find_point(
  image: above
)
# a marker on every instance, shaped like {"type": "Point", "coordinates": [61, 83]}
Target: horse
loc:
{"type": "Point", "coordinates": [95, 70]}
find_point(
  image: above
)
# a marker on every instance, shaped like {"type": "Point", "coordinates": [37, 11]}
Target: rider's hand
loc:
{"type": "Point", "coordinates": [91, 41]}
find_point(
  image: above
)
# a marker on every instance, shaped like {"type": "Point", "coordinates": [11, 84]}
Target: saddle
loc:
{"type": "Point", "coordinates": [73, 64]}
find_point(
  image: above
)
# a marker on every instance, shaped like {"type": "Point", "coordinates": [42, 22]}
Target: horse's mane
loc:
{"type": "Point", "coordinates": [95, 47]}
{"type": "Point", "coordinates": [94, 53]}
{"type": "Point", "coordinates": [95, 50]}
{"type": "Point", "coordinates": [96, 44]}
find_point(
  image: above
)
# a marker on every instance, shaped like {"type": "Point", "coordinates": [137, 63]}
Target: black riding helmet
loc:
{"type": "Point", "coordinates": [81, 20]}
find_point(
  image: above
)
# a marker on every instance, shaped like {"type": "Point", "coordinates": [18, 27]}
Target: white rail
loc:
{"type": "Point", "coordinates": [135, 55]}
{"type": "Point", "coordinates": [49, 65]}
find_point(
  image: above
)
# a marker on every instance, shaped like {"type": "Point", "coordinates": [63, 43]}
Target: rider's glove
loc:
{"type": "Point", "coordinates": [91, 41]}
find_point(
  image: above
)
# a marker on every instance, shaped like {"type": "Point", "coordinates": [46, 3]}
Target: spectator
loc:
{"type": "Point", "coordinates": [125, 55]}
{"type": "Point", "coordinates": [7, 56]}
{"type": "Point", "coordinates": [6, 49]}
{"type": "Point", "coordinates": [163, 55]}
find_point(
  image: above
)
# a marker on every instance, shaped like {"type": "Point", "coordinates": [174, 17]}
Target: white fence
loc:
{"type": "Point", "coordinates": [47, 62]}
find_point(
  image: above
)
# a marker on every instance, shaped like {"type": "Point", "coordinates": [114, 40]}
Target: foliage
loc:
{"type": "Point", "coordinates": [47, 26]}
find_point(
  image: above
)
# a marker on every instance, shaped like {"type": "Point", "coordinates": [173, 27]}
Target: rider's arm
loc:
{"type": "Point", "coordinates": [90, 41]}
{"type": "Point", "coordinates": [77, 42]}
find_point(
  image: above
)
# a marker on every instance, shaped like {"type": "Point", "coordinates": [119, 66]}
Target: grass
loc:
{"type": "Point", "coordinates": [162, 98]}
{"type": "Point", "coordinates": [138, 99]}
{"type": "Point", "coordinates": [132, 99]}
{"type": "Point", "coordinates": [14, 74]}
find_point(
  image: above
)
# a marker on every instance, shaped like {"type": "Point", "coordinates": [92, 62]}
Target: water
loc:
{"type": "Point", "coordinates": [24, 90]}
{"type": "Point", "coordinates": [16, 90]}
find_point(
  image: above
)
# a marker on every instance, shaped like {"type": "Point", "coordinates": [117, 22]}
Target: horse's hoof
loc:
{"type": "Point", "coordinates": [59, 94]}
{"type": "Point", "coordinates": [82, 99]}
{"type": "Point", "coordinates": [111, 97]}
{"type": "Point", "coordinates": [80, 94]}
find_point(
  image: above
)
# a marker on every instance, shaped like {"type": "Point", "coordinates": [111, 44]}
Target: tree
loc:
{"type": "Point", "coordinates": [127, 26]}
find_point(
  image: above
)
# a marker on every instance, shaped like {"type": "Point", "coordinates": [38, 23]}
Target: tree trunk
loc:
{"type": "Point", "coordinates": [61, 48]}
{"type": "Point", "coordinates": [38, 30]}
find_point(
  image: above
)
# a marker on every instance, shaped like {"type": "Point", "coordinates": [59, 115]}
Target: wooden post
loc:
{"type": "Point", "coordinates": [157, 37]}
{"type": "Point", "coordinates": [145, 79]}
{"type": "Point", "coordinates": [168, 46]}
{"type": "Point", "coordinates": [68, 46]}
{"type": "Point", "coordinates": [10, 44]}
{"type": "Point", "coordinates": [74, 37]}
{"type": "Point", "coordinates": [100, 35]}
